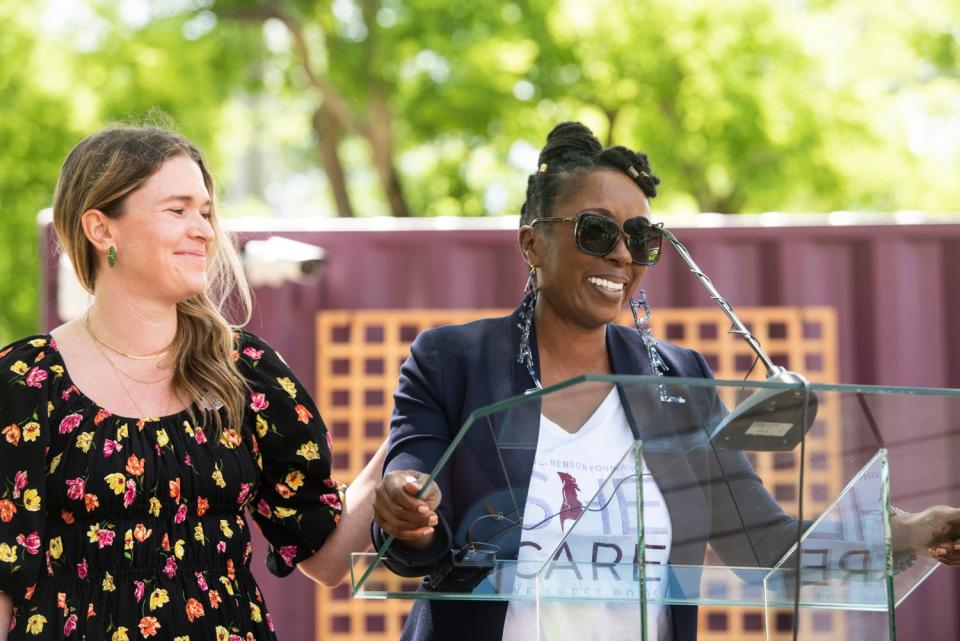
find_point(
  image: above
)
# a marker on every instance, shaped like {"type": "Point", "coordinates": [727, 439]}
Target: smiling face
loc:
{"type": "Point", "coordinates": [586, 290]}
{"type": "Point", "coordinates": [163, 235]}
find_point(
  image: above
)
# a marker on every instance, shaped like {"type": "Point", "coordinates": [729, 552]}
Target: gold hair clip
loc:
{"type": "Point", "coordinates": [633, 172]}
{"type": "Point", "coordinates": [543, 168]}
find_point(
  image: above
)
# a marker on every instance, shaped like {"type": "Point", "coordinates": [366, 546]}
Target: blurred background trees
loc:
{"type": "Point", "coordinates": [430, 107]}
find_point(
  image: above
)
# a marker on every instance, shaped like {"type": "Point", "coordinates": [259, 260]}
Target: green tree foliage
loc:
{"type": "Point", "coordinates": [35, 134]}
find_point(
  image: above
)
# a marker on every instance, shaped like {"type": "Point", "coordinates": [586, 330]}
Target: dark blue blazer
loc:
{"type": "Point", "coordinates": [454, 370]}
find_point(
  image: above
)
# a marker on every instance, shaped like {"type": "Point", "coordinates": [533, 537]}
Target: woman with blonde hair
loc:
{"type": "Point", "coordinates": [135, 436]}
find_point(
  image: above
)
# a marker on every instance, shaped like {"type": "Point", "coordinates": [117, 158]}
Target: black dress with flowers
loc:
{"type": "Point", "coordinates": [115, 528]}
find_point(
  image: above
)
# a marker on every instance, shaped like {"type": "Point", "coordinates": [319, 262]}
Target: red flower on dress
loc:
{"type": "Point", "coordinates": [130, 494]}
{"type": "Point", "coordinates": [75, 488]}
{"type": "Point", "coordinates": [82, 569]}
{"type": "Point", "coordinates": [303, 414]}
{"type": "Point", "coordinates": [19, 483]}
{"type": "Point", "coordinates": [101, 416]}
{"type": "Point", "coordinates": [170, 567]}
{"type": "Point", "coordinates": [31, 542]}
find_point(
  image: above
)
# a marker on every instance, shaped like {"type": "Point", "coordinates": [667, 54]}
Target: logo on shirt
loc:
{"type": "Point", "coordinates": [570, 506]}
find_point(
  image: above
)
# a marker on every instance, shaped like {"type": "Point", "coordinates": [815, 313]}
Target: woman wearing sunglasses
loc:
{"type": "Point", "coordinates": [586, 236]}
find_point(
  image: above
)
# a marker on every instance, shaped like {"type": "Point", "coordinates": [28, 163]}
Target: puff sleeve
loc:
{"type": "Point", "coordinates": [297, 504]}
{"type": "Point", "coordinates": [24, 437]}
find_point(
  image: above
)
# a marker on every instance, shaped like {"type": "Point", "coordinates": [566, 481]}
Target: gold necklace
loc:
{"type": "Point", "coordinates": [135, 357]}
{"type": "Point", "coordinates": [117, 373]}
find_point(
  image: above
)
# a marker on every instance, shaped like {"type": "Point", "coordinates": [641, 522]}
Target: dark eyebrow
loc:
{"type": "Point", "coordinates": [186, 200]}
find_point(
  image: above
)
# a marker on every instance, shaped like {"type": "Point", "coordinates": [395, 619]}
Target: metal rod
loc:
{"type": "Point", "coordinates": [740, 328]}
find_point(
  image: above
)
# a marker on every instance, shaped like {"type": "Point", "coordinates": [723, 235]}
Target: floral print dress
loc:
{"type": "Point", "coordinates": [116, 528]}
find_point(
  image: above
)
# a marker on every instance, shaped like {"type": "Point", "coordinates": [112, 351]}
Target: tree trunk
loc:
{"type": "Point", "coordinates": [380, 135]}
{"type": "Point", "coordinates": [327, 131]}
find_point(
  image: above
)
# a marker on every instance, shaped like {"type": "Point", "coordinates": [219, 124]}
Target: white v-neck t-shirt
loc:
{"type": "Point", "coordinates": [568, 470]}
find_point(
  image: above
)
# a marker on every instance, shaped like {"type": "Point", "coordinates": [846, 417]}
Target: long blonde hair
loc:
{"type": "Point", "coordinates": [99, 173]}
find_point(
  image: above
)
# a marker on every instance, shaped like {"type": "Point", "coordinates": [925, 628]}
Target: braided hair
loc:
{"type": "Point", "coordinates": [572, 152]}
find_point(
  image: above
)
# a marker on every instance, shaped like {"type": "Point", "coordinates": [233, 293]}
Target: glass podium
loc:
{"type": "Point", "coordinates": [764, 497]}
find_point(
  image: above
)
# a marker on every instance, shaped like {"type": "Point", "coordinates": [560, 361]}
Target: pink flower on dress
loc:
{"type": "Point", "coordinates": [288, 553]}
{"type": "Point", "coordinates": [138, 588]}
{"type": "Point", "coordinates": [201, 581]}
{"type": "Point", "coordinates": [105, 538]}
{"type": "Point", "coordinates": [333, 500]}
{"type": "Point", "coordinates": [199, 436]}
{"type": "Point", "coordinates": [31, 542]}
{"type": "Point", "coordinates": [76, 488]}
{"type": "Point", "coordinates": [69, 423]}
{"type": "Point", "coordinates": [170, 567]}
{"type": "Point", "coordinates": [70, 625]}
{"type": "Point", "coordinates": [270, 622]}
{"type": "Point", "coordinates": [244, 492]}
{"type": "Point", "coordinates": [253, 354]}
{"type": "Point", "coordinates": [35, 377]}
{"type": "Point", "coordinates": [221, 547]}
{"type": "Point", "coordinates": [19, 483]}
{"type": "Point", "coordinates": [181, 514]}
{"type": "Point", "coordinates": [329, 442]}
{"type": "Point", "coordinates": [263, 508]}
{"type": "Point", "coordinates": [67, 393]}
{"type": "Point", "coordinates": [82, 569]}
{"type": "Point", "coordinates": [258, 401]}
{"type": "Point", "coordinates": [109, 447]}
{"type": "Point", "coordinates": [130, 494]}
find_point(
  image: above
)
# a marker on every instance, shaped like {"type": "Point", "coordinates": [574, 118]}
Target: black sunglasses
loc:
{"type": "Point", "coordinates": [597, 235]}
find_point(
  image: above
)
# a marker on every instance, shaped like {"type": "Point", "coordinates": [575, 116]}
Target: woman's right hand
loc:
{"type": "Point", "coordinates": [401, 514]}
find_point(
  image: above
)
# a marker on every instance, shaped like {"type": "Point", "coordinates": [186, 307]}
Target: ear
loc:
{"type": "Point", "coordinates": [98, 228]}
{"type": "Point", "coordinates": [530, 243]}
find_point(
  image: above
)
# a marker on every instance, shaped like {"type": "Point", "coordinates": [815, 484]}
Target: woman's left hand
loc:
{"type": "Point", "coordinates": [934, 532]}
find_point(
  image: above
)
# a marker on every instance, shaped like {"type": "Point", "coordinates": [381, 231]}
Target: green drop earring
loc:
{"type": "Point", "coordinates": [112, 256]}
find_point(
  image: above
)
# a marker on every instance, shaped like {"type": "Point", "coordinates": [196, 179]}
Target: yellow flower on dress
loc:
{"type": "Point", "coordinates": [158, 598]}
{"type": "Point", "coordinates": [19, 368]}
{"type": "Point", "coordinates": [162, 438]}
{"type": "Point", "coordinates": [54, 463]}
{"type": "Point", "coordinates": [217, 477]}
{"type": "Point", "coordinates": [107, 584]}
{"type": "Point", "coordinates": [84, 439]}
{"type": "Point", "coordinates": [128, 539]}
{"type": "Point", "coordinates": [222, 634]}
{"type": "Point", "coordinates": [120, 634]}
{"type": "Point", "coordinates": [31, 500]}
{"type": "Point", "coordinates": [35, 623]}
{"type": "Point", "coordinates": [31, 431]}
{"type": "Point", "coordinates": [284, 512]}
{"type": "Point", "coordinates": [116, 481]}
{"type": "Point", "coordinates": [288, 386]}
{"type": "Point", "coordinates": [38, 342]}
{"type": "Point", "coordinates": [309, 451]}
{"type": "Point", "coordinates": [227, 585]}
{"type": "Point", "coordinates": [178, 549]}
{"type": "Point", "coordinates": [184, 637]}
{"type": "Point", "coordinates": [122, 432]}
{"type": "Point", "coordinates": [8, 554]}
{"type": "Point", "coordinates": [198, 534]}
{"type": "Point", "coordinates": [93, 533]}
{"type": "Point", "coordinates": [49, 408]}
{"type": "Point", "coordinates": [225, 528]}
{"type": "Point", "coordinates": [255, 612]}
{"type": "Point", "coordinates": [56, 547]}
{"type": "Point", "coordinates": [154, 506]}
{"type": "Point", "coordinates": [262, 426]}
{"type": "Point", "coordinates": [57, 369]}
{"type": "Point", "coordinates": [295, 479]}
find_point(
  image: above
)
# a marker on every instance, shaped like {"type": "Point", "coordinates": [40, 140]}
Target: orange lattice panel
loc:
{"type": "Point", "coordinates": [359, 354]}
